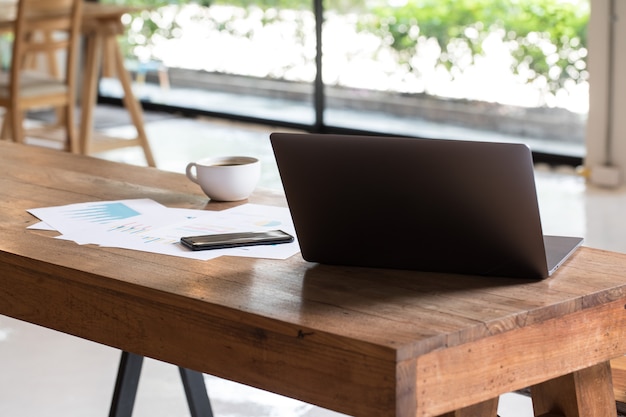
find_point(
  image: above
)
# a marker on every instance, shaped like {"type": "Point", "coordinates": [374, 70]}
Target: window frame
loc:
{"type": "Point", "coordinates": [605, 159]}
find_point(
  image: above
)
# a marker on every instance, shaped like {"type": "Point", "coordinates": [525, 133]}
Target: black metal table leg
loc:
{"type": "Point", "coordinates": [196, 392]}
{"type": "Point", "coordinates": [127, 383]}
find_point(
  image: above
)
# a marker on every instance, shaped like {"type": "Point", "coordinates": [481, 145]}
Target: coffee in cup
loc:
{"type": "Point", "coordinates": [227, 178]}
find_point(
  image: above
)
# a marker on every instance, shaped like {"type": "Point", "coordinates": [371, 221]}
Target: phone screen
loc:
{"type": "Point", "coordinates": [234, 240]}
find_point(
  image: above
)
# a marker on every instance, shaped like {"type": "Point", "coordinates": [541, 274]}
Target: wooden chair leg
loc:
{"type": "Point", "coordinates": [72, 144]}
{"type": "Point", "coordinates": [5, 131]}
{"type": "Point", "coordinates": [487, 408]}
{"type": "Point", "coordinates": [93, 60]}
{"type": "Point", "coordinates": [585, 393]}
{"type": "Point", "coordinates": [16, 126]}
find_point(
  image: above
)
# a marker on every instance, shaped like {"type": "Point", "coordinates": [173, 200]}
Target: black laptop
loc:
{"type": "Point", "coordinates": [419, 204]}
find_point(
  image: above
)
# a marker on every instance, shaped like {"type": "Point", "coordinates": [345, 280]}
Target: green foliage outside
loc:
{"type": "Point", "coordinates": [547, 39]}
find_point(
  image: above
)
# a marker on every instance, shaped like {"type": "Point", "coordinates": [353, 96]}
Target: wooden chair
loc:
{"type": "Point", "coordinates": [42, 28]}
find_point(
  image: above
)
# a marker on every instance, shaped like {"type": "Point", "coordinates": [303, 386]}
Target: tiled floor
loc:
{"type": "Point", "coordinates": [45, 373]}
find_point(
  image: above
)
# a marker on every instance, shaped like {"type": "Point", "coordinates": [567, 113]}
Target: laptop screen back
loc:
{"type": "Point", "coordinates": [429, 205]}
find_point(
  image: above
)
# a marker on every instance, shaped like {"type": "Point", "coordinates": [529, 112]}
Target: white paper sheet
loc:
{"type": "Point", "coordinates": [148, 226]}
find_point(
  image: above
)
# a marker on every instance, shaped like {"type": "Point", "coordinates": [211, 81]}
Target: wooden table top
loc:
{"type": "Point", "coordinates": [92, 13]}
{"type": "Point", "coordinates": [365, 342]}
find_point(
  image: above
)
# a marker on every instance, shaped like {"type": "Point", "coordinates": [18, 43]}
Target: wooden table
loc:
{"type": "Point", "coordinates": [101, 26]}
{"type": "Point", "coordinates": [365, 342]}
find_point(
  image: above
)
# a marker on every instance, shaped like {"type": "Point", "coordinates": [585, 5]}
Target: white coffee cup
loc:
{"type": "Point", "coordinates": [227, 178]}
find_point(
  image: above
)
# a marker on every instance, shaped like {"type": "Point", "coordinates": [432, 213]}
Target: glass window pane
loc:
{"type": "Point", "coordinates": [239, 57]}
{"type": "Point", "coordinates": [459, 69]}
{"type": "Point", "coordinates": [463, 69]}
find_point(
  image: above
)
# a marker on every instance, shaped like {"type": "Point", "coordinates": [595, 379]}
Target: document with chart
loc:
{"type": "Point", "coordinates": [145, 225]}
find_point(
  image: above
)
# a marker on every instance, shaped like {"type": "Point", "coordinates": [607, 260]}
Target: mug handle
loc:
{"type": "Point", "coordinates": [188, 171]}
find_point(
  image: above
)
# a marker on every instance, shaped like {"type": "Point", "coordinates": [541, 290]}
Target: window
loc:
{"type": "Point", "coordinates": [454, 69]}
{"type": "Point", "coordinates": [230, 57]}
{"type": "Point", "coordinates": [512, 70]}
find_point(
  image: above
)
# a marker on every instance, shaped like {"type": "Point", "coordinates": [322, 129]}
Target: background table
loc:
{"type": "Point", "coordinates": [101, 26]}
{"type": "Point", "coordinates": [365, 342]}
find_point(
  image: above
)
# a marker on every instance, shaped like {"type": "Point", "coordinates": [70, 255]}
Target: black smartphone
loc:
{"type": "Point", "coordinates": [235, 240]}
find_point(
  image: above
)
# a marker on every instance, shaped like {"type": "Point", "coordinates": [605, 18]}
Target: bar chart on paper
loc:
{"type": "Point", "coordinates": [103, 213]}
{"type": "Point", "coordinates": [148, 226]}
{"type": "Point", "coordinates": [82, 221]}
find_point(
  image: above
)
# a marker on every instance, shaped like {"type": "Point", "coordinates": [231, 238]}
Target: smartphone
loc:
{"type": "Point", "coordinates": [235, 240]}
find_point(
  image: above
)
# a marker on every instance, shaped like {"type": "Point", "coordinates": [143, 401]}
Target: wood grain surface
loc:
{"type": "Point", "coordinates": [365, 342]}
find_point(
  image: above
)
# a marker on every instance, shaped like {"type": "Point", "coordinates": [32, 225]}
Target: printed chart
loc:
{"type": "Point", "coordinates": [148, 226]}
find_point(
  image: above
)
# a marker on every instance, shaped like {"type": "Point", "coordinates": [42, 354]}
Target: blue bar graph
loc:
{"type": "Point", "coordinates": [104, 213]}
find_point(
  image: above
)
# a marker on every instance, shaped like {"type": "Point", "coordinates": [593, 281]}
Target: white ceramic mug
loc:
{"type": "Point", "coordinates": [228, 178]}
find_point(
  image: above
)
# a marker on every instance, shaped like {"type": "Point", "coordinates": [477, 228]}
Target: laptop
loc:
{"type": "Point", "coordinates": [419, 204]}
